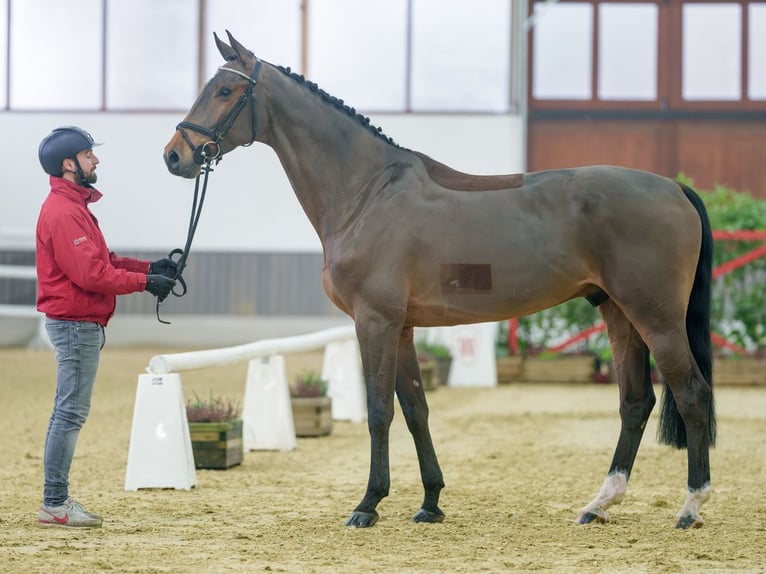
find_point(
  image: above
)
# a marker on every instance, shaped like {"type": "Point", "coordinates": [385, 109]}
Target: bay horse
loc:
{"type": "Point", "coordinates": [410, 242]}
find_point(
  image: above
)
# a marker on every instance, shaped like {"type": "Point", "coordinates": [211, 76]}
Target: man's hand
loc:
{"type": "Point", "coordinates": [159, 285]}
{"type": "Point", "coordinates": [166, 267]}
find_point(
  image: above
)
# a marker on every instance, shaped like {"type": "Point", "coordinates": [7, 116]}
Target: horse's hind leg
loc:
{"type": "Point", "coordinates": [687, 418]}
{"type": "Point", "coordinates": [409, 390]}
{"type": "Point", "coordinates": [630, 357]}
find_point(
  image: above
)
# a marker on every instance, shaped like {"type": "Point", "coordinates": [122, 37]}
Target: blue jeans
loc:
{"type": "Point", "coordinates": [77, 346]}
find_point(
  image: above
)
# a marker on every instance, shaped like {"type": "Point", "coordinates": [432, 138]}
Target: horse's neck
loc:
{"type": "Point", "coordinates": [325, 153]}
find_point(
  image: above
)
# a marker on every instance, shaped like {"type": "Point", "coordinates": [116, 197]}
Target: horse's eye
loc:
{"type": "Point", "coordinates": [224, 92]}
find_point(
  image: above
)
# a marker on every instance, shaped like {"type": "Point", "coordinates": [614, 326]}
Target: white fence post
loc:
{"type": "Point", "coordinates": [40, 338]}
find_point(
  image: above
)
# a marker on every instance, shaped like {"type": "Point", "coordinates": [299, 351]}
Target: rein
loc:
{"type": "Point", "coordinates": [196, 211]}
{"type": "Point", "coordinates": [205, 160]}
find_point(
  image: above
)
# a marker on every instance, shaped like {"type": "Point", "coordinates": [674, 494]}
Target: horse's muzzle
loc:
{"type": "Point", "coordinates": [178, 165]}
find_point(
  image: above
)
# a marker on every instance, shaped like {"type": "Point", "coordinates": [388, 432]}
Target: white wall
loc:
{"type": "Point", "coordinates": [250, 205]}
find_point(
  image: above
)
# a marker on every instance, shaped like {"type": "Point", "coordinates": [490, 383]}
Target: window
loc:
{"type": "Point", "coordinates": [650, 55]}
{"type": "Point", "coordinates": [562, 51]}
{"type": "Point", "coordinates": [52, 67]}
{"type": "Point", "coordinates": [3, 53]}
{"type": "Point", "coordinates": [151, 64]}
{"type": "Point", "coordinates": [627, 58]}
{"type": "Point", "coordinates": [757, 52]}
{"type": "Point", "coordinates": [461, 55]}
{"type": "Point", "coordinates": [271, 30]}
{"type": "Point", "coordinates": [360, 55]}
{"type": "Point", "coordinates": [144, 55]}
{"type": "Point", "coordinates": [711, 55]}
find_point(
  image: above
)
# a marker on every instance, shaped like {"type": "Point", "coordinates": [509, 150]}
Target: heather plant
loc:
{"type": "Point", "coordinates": [212, 410]}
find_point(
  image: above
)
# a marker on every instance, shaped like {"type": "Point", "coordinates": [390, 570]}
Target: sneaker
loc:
{"type": "Point", "coordinates": [71, 514]}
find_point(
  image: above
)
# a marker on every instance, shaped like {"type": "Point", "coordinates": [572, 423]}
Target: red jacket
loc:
{"type": "Point", "coordinates": [77, 276]}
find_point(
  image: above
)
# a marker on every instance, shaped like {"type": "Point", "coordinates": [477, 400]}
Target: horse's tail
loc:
{"type": "Point", "coordinates": [672, 430]}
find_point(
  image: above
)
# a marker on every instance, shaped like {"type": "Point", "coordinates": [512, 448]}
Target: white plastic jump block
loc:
{"type": "Point", "coordinates": [473, 353]}
{"type": "Point", "coordinates": [267, 413]}
{"type": "Point", "coordinates": [160, 453]}
{"type": "Point", "coordinates": [342, 368]}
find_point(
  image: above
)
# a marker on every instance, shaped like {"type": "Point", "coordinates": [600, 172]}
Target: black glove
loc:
{"type": "Point", "coordinates": [166, 267]}
{"type": "Point", "coordinates": [159, 285]}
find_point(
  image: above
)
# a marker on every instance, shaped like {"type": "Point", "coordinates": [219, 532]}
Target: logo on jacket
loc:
{"type": "Point", "coordinates": [80, 240]}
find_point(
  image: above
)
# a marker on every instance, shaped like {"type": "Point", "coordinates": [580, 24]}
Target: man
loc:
{"type": "Point", "coordinates": [77, 281]}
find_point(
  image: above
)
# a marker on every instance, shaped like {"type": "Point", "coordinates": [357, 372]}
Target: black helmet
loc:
{"type": "Point", "coordinates": [60, 144]}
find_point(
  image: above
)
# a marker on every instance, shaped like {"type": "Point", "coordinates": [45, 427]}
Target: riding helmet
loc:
{"type": "Point", "coordinates": [61, 143]}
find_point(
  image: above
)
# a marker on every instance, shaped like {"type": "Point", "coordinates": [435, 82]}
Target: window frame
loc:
{"type": "Point", "coordinates": [670, 57]}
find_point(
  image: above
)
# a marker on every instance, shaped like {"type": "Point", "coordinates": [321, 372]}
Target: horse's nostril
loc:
{"type": "Point", "coordinates": [173, 159]}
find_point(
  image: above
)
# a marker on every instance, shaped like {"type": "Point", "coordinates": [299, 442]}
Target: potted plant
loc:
{"type": "Point", "coordinates": [215, 427]}
{"type": "Point", "coordinates": [312, 408]}
{"type": "Point", "coordinates": [436, 358]}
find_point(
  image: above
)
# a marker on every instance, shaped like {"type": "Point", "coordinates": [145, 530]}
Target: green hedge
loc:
{"type": "Point", "coordinates": [739, 298]}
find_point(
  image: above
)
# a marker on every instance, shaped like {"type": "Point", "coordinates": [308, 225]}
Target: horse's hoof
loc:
{"type": "Point", "coordinates": [690, 521]}
{"type": "Point", "coordinates": [588, 517]}
{"type": "Point", "coordinates": [424, 515]}
{"type": "Point", "coordinates": [362, 519]}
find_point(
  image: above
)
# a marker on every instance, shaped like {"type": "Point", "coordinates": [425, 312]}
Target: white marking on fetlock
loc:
{"type": "Point", "coordinates": [694, 501]}
{"type": "Point", "coordinates": [612, 492]}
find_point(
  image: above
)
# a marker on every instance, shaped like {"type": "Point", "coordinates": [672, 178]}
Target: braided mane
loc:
{"type": "Point", "coordinates": [337, 103]}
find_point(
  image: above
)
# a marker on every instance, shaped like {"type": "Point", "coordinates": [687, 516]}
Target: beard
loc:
{"type": "Point", "coordinates": [91, 177]}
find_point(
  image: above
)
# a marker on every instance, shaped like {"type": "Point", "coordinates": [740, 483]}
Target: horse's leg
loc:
{"type": "Point", "coordinates": [630, 357]}
{"type": "Point", "coordinates": [693, 398]}
{"type": "Point", "coordinates": [412, 398]}
{"type": "Point", "coordinates": [378, 340]}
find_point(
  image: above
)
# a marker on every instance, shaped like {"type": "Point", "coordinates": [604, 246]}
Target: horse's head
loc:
{"type": "Point", "coordinates": [222, 118]}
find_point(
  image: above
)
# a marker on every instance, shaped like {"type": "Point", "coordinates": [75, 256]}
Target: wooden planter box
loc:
{"type": "Point", "coordinates": [510, 369]}
{"type": "Point", "coordinates": [576, 369]}
{"type": "Point", "coordinates": [428, 374]}
{"type": "Point", "coordinates": [744, 371]}
{"type": "Point", "coordinates": [312, 416]}
{"type": "Point", "coordinates": [441, 374]}
{"type": "Point", "coordinates": [216, 445]}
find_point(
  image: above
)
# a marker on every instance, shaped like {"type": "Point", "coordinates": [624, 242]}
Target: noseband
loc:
{"type": "Point", "coordinates": [201, 155]}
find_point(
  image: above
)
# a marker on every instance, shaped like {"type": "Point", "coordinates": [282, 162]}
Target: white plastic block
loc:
{"type": "Point", "coordinates": [342, 368]}
{"type": "Point", "coordinates": [474, 363]}
{"type": "Point", "coordinates": [267, 413]}
{"type": "Point", "coordinates": [160, 453]}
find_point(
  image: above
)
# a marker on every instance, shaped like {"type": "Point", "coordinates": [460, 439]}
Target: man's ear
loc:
{"type": "Point", "coordinates": [68, 165]}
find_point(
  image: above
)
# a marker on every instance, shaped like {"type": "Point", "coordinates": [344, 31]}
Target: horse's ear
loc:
{"type": "Point", "coordinates": [226, 51]}
{"type": "Point", "coordinates": [241, 51]}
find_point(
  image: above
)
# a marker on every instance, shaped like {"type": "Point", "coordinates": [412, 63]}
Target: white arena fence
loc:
{"type": "Point", "coordinates": [18, 272]}
{"type": "Point", "coordinates": [341, 368]}
{"type": "Point", "coordinates": [18, 239]}
{"type": "Point", "coordinates": [160, 453]}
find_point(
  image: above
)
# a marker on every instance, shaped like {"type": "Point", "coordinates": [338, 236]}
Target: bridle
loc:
{"type": "Point", "coordinates": [205, 160]}
{"type": "Point", "coordinates": [219, 132]}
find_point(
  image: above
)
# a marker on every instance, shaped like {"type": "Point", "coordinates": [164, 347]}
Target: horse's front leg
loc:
{"type": "Point", "coordinates": [412, 398]}
{"type": "Point", "coordinates": [378, 341]}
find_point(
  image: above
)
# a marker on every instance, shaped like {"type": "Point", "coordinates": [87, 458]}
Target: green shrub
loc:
{"type": "Point", "coordinates": [432, 350]}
